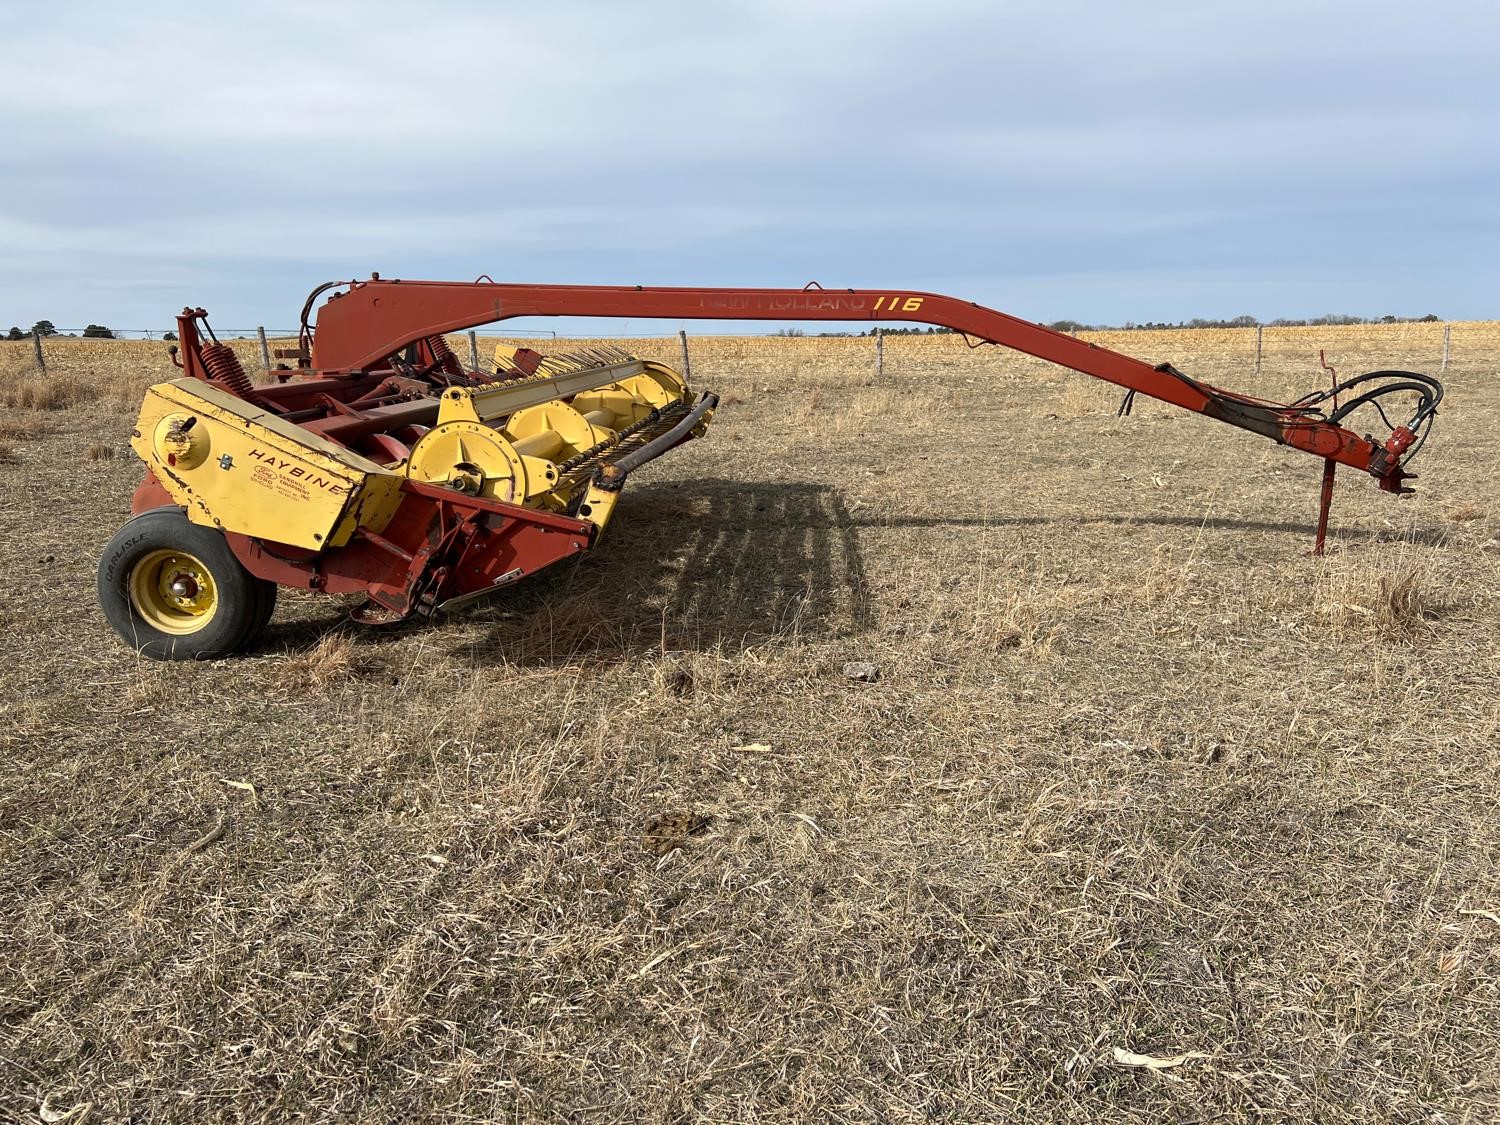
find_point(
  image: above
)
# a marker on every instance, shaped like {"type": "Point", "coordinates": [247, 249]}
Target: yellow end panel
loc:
{"type": "Point", "coordinates": [371, 507]}
{"type": "Point", "coordinates": [242, 469]}
{"type": "Point", "coordinates": [597, 507]}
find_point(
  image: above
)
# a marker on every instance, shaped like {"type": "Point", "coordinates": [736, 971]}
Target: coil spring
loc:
{"type": "Point", "coordinates": [444, 355]}
{"type": "Point", "coordinates": [224, 366]}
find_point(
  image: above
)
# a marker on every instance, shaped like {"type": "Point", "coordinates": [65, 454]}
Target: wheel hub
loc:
{"type": "Point", "coordinates": [174, 591]}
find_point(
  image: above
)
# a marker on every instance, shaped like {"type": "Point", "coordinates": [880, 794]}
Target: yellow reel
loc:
{"type": "Point", "coordinates": [553, 430]}
{"type": "Point", "coordinates": [630, 400]}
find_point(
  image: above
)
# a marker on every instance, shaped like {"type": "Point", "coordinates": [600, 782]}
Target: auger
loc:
{"type": "Point", "coordinates": [380, 467]}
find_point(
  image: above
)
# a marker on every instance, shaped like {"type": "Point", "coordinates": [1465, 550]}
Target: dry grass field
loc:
{"type": "Point", "coordinates": [1148, 816]}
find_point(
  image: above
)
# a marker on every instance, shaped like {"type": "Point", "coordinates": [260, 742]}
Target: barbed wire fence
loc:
{"type": "Point", "coordinates": [1256, 338]}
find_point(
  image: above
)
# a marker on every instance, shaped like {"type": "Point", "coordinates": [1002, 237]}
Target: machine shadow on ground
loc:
{"type": "Point", "coordinates": [684, 565]}
{"type": "Point", "coordinates": [714, 564]}
{"type": "Point", "coordinates": [691, 565]}
{"type": "Point", "coordinates": [724, 564]}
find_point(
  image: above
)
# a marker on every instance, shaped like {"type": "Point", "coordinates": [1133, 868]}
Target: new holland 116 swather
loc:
{"type": "Point", "coordinates": [381, 467]}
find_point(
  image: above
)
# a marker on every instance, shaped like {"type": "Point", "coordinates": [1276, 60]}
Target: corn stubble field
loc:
{"type": "Point", "coordinates": [1149, 815]}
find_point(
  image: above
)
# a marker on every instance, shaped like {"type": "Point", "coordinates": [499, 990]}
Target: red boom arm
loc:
{"type": "Point", "coordinates": [359, 329]}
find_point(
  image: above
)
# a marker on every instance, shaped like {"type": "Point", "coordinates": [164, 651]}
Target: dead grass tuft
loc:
{"type": "Point", "coordinates": [8, 454]}
{"type": "Point", "coordinates": [154, 685]}
{"type": "Point", "coordinates": [45, 391]}
{"type": "Point", "coordinates": [570, 628]}
{"type": "Point", "coordinates": [24, 428]}
{"type": "Point", "coordinates": [101, 451]}
{"type": "Point", "coordinates": [1019, 614]}
{"type": "Point", "coordinates": [1171, 572]}
{"type": "Point", "coordinates": [1023, 621]}
{"type": "Point", "coordinates": [1405, 599]}
{"type": "Point", "coordinates": [1466, 512]}
{"type": "Point", "coordinates": [1081, 397]}
{"type": "Point", "coordinates": [335, 660]}
{"type": "Point", "coordinates": [1397, 597]}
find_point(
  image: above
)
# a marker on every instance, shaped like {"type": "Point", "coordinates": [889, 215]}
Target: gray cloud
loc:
{"type": "Point", "coordinates": [1103, 162]}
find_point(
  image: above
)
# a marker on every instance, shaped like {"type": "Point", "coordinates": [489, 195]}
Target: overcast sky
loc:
{"type": "Point", "coordinates": [1156, 160]}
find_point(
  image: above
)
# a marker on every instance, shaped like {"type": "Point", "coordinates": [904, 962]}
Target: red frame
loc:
{"type": "Point", "coordinates": [360, 328]}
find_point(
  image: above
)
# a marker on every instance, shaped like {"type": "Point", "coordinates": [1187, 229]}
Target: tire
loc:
{"type": "Point", "coordinates": [263, 613]}
{"type": "Point", "coordinates": [174, 590]}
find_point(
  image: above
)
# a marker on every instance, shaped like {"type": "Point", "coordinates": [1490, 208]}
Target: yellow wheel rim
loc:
{"type": "Point", "coordinates": [174, 592]}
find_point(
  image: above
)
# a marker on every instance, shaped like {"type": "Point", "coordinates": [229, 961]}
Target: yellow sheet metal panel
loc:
{"type": "Point", "coordinates": [597, 506]}
{"type": "Point", "coordinates": [242, 469]}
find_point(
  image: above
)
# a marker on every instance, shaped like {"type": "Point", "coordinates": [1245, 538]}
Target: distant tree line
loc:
{"type": "Point", "coordinates": [46, 328]}
{"type": "Point", "coordinates": [1129, 325]}
{"type": "Point", "coordinates": [910, 331]}
{"type": "Point", "coordinates": [1246, 322]}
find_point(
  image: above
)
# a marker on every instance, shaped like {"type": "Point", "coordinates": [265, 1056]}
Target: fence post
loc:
{"type": "Point", "coordinates": [265, 349]}
{"type": "Point", "coordinates": [687, 363]}
{"type": "Point", "coordinates": [879, 353]}
{"type": "Point", "coordinates": [1259, 328]}
{"type": "Point", "coordinates": [36, 346]}
{"type": "Point", "coordinates": [473, 351]}
{"type": "Point", "coordinates": [1447, 333]}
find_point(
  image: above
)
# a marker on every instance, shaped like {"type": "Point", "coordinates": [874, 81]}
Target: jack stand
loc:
{"type": "Point", "coordinates": [1324, 503]}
